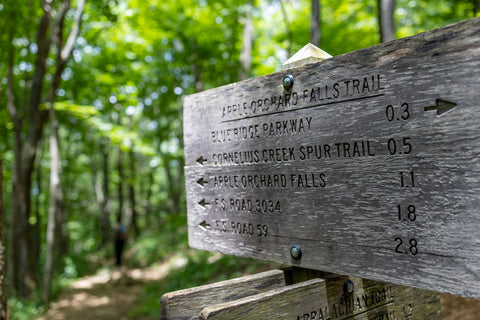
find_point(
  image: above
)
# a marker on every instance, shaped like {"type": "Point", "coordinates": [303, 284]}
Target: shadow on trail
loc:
{"type": "Point", "coordinates": [197, 269]}
{"type": "Point", "coordinates": [122, 294]}
{"type": "Point", "coordinates": [110, 294]}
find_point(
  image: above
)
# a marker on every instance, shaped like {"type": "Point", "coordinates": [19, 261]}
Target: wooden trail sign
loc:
{"type": "Point", "coordinates": [365, 164]}
{"type": "Point", "coordinates": [317, 296]}
{"type": "Point", "coordinates": [282, 303]}
{"type": "Point", "coordinates": [188, 303]}
{"type": "Point", "coordinates": [322, 299]}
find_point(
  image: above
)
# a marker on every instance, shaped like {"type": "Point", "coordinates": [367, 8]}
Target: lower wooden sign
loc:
{"type": "Point", "coordinates": [283, 303]}
{"type": "Point", "coordinates": [186, 304]}
{"type": "Point", "coordinates": [376, 300]}
{"type": "Point", "coordinates": [327, 298]}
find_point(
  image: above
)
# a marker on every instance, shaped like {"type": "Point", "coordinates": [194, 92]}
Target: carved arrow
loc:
{"type": "Point", "coordinates": [202, 182]}
{"type": "Point", "coordinates": [203, 203]}
{"type": "Point", "coordinates": [441, 106]}
{"type": "Point", "coordinates": [204, 225]}
{"type": "Point", "coordinates": [201, 160]}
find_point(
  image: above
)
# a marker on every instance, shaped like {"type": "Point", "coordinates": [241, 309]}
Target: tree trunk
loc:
{"type": "Point", "coordinates": [56, 218]}
{"type": "Point", "coordinates": [475, 7]}
{"type": "Point", "coordinates": [131, 195]}
{"type": "Point", "coordinates": [55, 212]}
{"type": "Point", "coordinates": [131, 188]}
{"type": "Point", "coordinates": [385, 20]}
{"type": "Point", "coordinates": [172, 205]}
{"type": "Point", "coordinates": [172, 197]}
{"type": "Point", "coordinates": [20, 261]}
{"type": "Point", "coordinates": [120, 185]}
{"type": "Point", "coordinates": [315, 30]}
{"type": "Point", "coordinates": [28, 131]}
{"type": "Point", "coordinates": [106, 198]}
{"type": "Point", "coordinates": [197, 74]}
{"type": "Point", "coordinates": [288, 30]}
{"type": "Point", "coordinates": [148, 196]}
{"type": "Point", "coordinates": [100, 199]}
{"type": "Point", "coordinates": [3, 294]}
{"type": "Point", "coordinates": [246, 53]}
{"type": "Point", "coordinates": [38, 221]}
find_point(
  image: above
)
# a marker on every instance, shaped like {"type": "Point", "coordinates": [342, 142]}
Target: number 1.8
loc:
{"type": "Point", "coordinates": [411, 215]}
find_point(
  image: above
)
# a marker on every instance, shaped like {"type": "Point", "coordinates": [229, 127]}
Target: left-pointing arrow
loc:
{"type": "Point", "coordinates": [201, 160]}
{"type": "Point", "coordinates": [201, 181]}
{"type": "Point", "coordinates": [204, 225]}
{"type": "Point", "coordinates": [203, 203]}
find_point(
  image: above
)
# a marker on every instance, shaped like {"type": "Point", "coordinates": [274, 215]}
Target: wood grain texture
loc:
{"type": "Point", "coordinates": [326, 298]}
{"type": "Point", "coordinates": [282, 303]}
{"type": "Point", "coordinates": [364, 164]}
{"type": "Point", "coordinates": [187, 304]}
{"type": "Point", "coordinates": [375, 300]}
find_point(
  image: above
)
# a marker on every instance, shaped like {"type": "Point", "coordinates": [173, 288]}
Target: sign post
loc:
{"type": "Point", "coordinates": [366, 164]}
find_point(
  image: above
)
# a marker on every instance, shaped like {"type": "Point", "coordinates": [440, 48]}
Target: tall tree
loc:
{"type": "Point", "coordinates": [28, 121]}
{"type": "Point", "coordinates": [28, 48]}
{"type": "Point", "coordinates": [105, 220]}
{"type": "Point", "coordinates": [288, 29]}
{"type": "Point", "coordinates": [55, 212]}
{"type": "Point", "coordinates": [247, 42]}
{"type": "Point", "coordinates": [121, 176]}
{"type": "Point", "coordinates": [3, 293]}
{"type": "Point", "coordinates": [386, 9]}
{"type": "Point", "coordinates": [131, 187]}
{"type": "Point", "coordinates": [315, 31]}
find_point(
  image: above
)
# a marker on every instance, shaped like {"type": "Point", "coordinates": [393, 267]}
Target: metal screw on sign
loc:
{"type": "Point", "coordinates": [296, 252]}
{"type": "Point", "coordinates": [348, 287]}
{"type": "Point", "coordinates": [288, 82]}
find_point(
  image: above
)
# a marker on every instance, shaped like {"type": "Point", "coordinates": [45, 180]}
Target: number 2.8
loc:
{"type": "Point", "coordinates": [413, 248]}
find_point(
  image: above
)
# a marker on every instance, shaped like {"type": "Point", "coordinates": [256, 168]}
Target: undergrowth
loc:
{"type": "Point", "coordinates": [166, 243]}
{"type": "Point", "coordinates": [200, 268]}
{"type": "Point", "coordinates": [196, 267]}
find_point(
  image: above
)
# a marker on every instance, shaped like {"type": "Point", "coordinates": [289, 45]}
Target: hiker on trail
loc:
{"type": "Point", "coordinates": [120, 239]}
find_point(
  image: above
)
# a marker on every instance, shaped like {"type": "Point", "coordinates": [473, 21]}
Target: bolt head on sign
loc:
{"type": "Point", "coordinates": [288, 82]}
{"type": "Point", "coordinates": [348, 287]}
{"type": "Point", "coordinates": [296, 252]}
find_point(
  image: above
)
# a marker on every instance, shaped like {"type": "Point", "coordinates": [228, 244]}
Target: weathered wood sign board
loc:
{"type": "Point", "coordinates": [188, 303]}
{"type": "Point", "coordinates": [369, 164]}
{"type": "Point", "coordinates": [376, 300]}
{"type": "Point", "coordinates": [323, 299]}
{"type": "Point", "coordinates": [319, 296]}
{"type": "Point", "coordinates": [283, 303]}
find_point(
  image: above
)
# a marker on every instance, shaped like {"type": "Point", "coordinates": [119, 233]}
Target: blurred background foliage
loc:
{"type": "Point", "coordinates": [119, 108]}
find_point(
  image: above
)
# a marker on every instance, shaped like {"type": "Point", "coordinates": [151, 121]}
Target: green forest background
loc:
{"type": "Point", "coordinates": [91, 123]}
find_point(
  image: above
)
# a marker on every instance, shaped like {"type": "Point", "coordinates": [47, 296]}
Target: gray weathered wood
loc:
{"type": "Point", "coordinates": [376, 300]}
{"type": "Point", "coordinates": [326, 299]}
{"type": "Point", "coordinates": [187, 304]}
{"type": "Point", "coordinates": [394, 194]}
{"type": "Point", "coordinates": [282, 303]}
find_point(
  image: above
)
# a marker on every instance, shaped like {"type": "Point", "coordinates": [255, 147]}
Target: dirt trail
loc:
{"type": "Point", "coordinates": [108, 295]}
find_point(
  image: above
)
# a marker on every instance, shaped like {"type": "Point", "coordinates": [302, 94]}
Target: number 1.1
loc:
{"type": "Point", "coordinates": [407, 180]}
